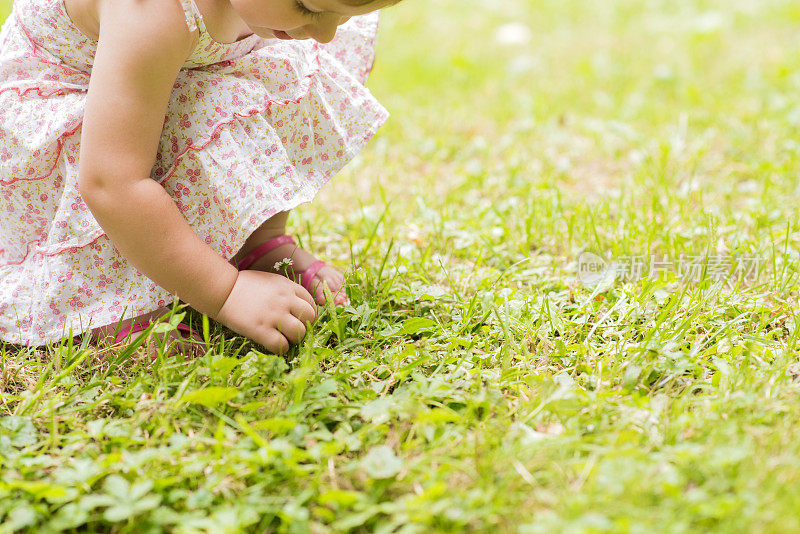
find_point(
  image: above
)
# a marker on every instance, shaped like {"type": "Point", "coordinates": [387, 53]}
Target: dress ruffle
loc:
{"type": "Point", "coordinates": [243, 139]}
{"type": "Point", "coordinates": [270, 149]}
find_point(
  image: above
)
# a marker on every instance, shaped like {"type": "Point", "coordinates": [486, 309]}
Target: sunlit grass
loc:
{"type": "Point", "coordinates": [476, 384]}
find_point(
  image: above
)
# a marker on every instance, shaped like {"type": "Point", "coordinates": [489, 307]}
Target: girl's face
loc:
{"type": "Point", "coordinates": [296, 19]}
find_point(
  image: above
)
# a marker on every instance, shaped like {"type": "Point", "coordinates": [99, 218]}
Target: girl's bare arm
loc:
{"type": "Point", "coordinates": [142, 46]}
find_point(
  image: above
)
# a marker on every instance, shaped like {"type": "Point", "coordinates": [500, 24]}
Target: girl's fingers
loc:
{"type": "Point", "coordinates": [292, 329]}
{"type": "Point", "coordinates": [303, 293]}
{"type": "Point", "coordinates": [304, 311]}
{"type": "Point", "coordinates": [276, 342]}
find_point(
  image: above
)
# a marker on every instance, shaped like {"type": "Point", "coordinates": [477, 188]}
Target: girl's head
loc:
{"type": "Point", "coordinates": [302, 19]}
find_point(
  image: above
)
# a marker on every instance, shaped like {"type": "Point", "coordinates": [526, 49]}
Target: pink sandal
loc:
{"type": "Point", "coordinates": [184, 330]}
{"type": "Point", "coordinates": [305, 279]}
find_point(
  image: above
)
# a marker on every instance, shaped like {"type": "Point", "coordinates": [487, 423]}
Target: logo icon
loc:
{"type": "Point", "coordinates": [594, 270]}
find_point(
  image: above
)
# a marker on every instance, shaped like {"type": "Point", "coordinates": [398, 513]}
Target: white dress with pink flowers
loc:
{"type": "Point", "coordinates": [253, 128]}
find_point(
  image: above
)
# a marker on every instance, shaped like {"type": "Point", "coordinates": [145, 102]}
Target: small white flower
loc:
{"type": "Point", "coordinates": [285, 263]}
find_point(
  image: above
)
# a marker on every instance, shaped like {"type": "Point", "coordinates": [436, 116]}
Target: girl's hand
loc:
{"type": "Point", "coordinates": [269, 309]}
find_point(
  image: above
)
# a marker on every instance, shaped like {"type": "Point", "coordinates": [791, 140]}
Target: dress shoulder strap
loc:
{"type": "Point", "coordinates": [192, 14]}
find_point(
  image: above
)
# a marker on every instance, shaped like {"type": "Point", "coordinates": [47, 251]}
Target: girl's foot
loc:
{"type": "Point", "coordinates": [291, 261]}
{"type": "Point", "coordinates": [174, 340]}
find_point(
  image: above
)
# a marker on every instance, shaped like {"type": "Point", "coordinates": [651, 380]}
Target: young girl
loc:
{"type": "Point", "coordinates": [148, 148]}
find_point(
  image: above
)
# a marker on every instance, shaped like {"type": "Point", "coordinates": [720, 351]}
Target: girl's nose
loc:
{"type": "Point", "coordinates": [325, 30]}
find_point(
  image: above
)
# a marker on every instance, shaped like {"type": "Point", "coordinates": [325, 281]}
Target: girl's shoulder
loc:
{"type": "Point", "coordinates": [168, 17]}
{"type": "Point", "coordinates": [85, 14]}
{"type": "Point", "coordinates": [151, 29]}
{"type": "Point", "coordinates": [70, 29]}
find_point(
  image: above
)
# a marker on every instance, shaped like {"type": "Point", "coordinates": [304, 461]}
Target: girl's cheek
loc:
{"type": "Point", "coordinates": [274, 15]}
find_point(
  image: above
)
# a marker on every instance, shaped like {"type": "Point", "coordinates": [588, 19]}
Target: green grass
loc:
{"type": "Point", "coordinates": [476, 384]}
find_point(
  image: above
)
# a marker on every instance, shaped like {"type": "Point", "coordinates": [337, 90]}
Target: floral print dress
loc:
{"type": "Point", "coordinates": [253, 128]}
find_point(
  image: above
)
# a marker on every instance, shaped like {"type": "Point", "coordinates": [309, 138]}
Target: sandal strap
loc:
{"type": "Point", "coordinates": [190, 333]}
{"type": "Point", "coordinates": [182, 328]}
{"type": "Point", "coordinates": [308, 275]}
{"type": "Point", "coordinates": [133, 329]}
{"type": "Point", "coordinates": [262, 249]}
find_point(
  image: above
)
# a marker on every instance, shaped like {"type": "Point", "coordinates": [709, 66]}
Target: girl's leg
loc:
{"type": "Point", "coordinates": [273, 227]}
{"type": "Point", "coordinates": [301, 259]}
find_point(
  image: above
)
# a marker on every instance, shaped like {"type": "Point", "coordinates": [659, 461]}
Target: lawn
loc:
{"type": "Point", "coordinates": [481, 381]}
